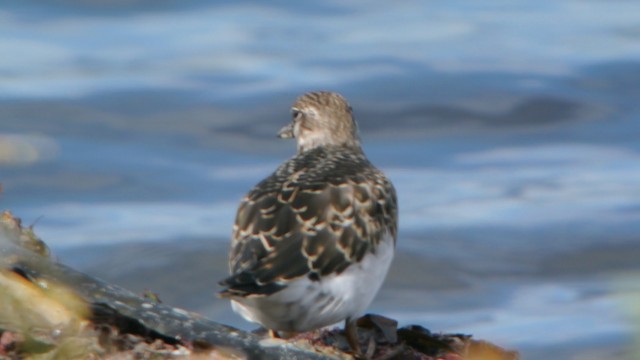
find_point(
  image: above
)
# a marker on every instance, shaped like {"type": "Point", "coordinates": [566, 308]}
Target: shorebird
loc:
{"type": "Point", "coordinates": [313, 242]}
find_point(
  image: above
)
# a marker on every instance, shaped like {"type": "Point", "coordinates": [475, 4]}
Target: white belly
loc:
{"type": "Point", "coordinates": [306, 305]}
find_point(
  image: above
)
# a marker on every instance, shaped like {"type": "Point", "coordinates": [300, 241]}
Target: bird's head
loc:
{"type": "Point", "coordinates": [321, 119]}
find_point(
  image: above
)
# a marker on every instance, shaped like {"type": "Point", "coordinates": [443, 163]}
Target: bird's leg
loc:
{"type": "Point", "coordinates": [275, 334]}
{"type": "Point", "coordinates": [351, 333]}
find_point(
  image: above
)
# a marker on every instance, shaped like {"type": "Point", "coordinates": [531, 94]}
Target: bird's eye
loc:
{"type": "Point", "coordinates": [295, 113]}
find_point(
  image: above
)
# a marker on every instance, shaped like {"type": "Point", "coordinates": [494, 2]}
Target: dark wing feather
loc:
{"type": "Point", "coordinates": [300, 222]}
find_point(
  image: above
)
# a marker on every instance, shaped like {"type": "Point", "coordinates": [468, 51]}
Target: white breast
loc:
{"type": "Point", "coordinates": [306, 305]}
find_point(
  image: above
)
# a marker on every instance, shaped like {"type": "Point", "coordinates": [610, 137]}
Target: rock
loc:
{"type": "Point", "coordinates": [49, 308]}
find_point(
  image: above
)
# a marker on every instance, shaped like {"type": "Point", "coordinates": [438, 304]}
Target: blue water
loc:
{"type": "Point", "coordinates": [510, 129]}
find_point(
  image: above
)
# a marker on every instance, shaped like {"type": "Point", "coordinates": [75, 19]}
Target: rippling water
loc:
{"type": "Point", "coordinates": [510, 130]}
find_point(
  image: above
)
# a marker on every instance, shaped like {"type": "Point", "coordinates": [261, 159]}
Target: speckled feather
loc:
{"type": "Point", "coordinates": [319, 213]}
{"type": "Point", "coordinates": [315, 215]}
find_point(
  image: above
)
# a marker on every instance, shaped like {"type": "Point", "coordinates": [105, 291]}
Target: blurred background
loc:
{"type": "Point", "coordinates": [130, 129]}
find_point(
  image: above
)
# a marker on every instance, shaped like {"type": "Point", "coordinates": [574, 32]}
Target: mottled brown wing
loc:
{"type": "Point", "coordinates": [312, 230]}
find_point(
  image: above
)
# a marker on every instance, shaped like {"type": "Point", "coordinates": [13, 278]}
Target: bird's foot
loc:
{"type": "Point", "coordinates": [351, 334]}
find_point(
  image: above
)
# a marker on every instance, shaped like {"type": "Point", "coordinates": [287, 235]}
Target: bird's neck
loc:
{"type": "Point", "coordinates": [313, 141]}
{"type": "Point", "coordinates": [352, 146]}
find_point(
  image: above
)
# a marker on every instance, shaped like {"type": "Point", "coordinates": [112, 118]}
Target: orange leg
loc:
{"type": "Point", "coordinates": [351, 333]}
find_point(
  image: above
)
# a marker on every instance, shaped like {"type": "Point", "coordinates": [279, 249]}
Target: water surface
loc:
{"type": "Point", "coordinates": [130, 130]}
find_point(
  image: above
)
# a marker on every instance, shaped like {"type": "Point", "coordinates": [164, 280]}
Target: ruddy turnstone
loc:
{"type": "Point", "coordinates": [312, 243]}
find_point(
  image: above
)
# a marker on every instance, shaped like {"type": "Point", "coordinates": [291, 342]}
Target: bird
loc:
{"type": "Point", "coordinates": [313, 242]}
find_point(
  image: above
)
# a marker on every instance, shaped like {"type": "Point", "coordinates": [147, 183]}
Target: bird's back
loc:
{"type": "Point", "coordinates": [317, 214]}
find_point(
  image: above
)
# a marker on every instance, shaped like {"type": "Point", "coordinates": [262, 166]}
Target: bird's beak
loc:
{"type": "Point", "coordinates": [286, 132]}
